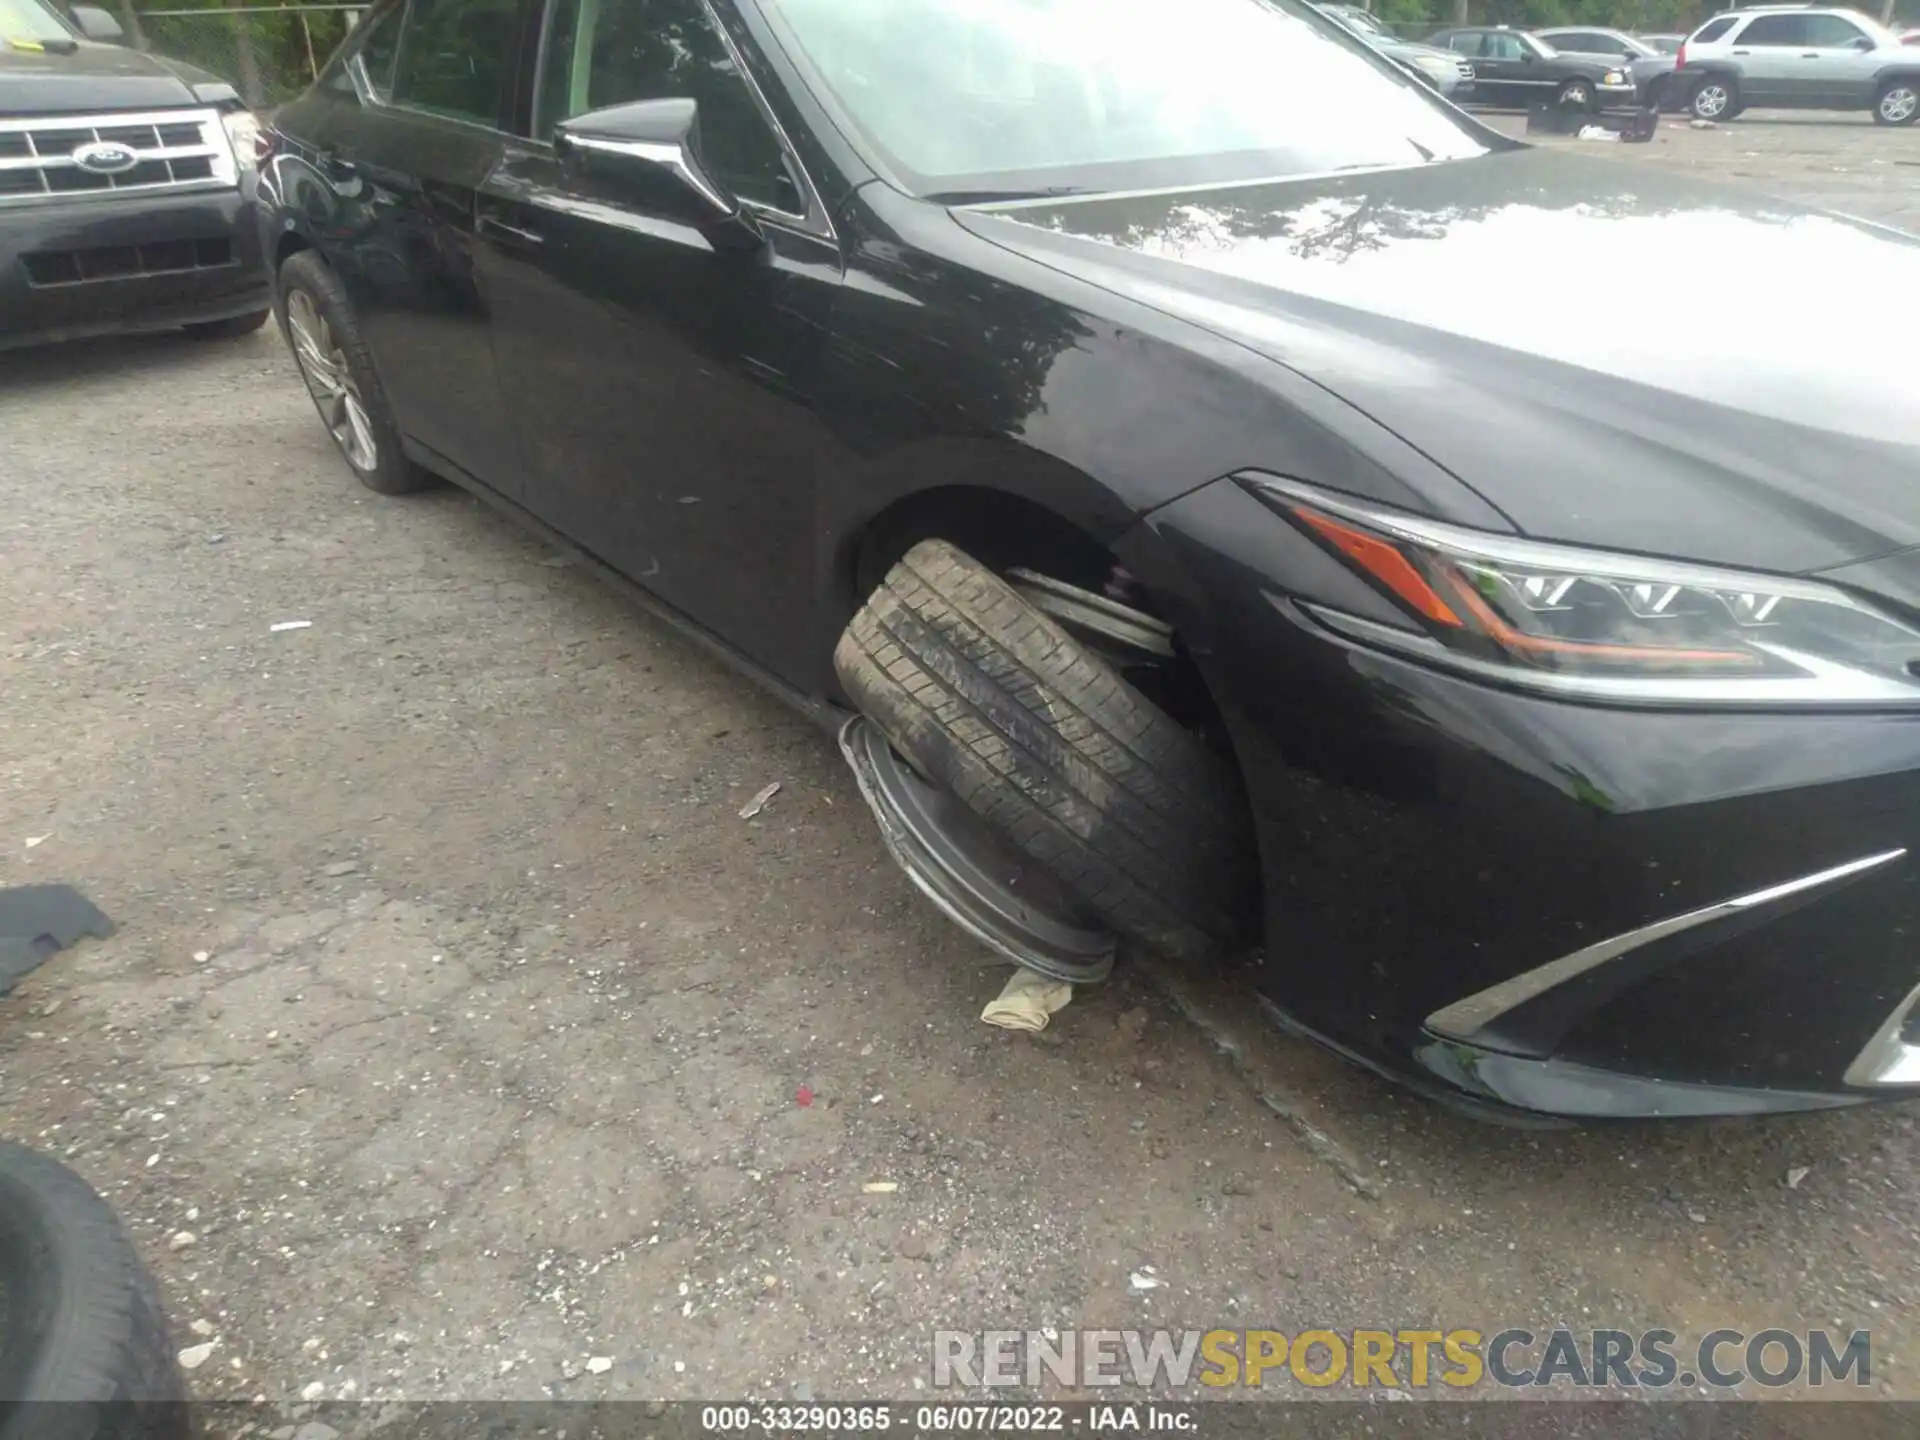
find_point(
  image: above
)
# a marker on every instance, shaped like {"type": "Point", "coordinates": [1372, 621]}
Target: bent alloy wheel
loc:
{"type": "Point", "coordinates": [84, 1351]}
{"type": "Point", "coordinates": [1134, 825]}
{"type": "Point", "coordinates": [339, 374]}
{"type": "Point", "coordinates": [1898, 103]}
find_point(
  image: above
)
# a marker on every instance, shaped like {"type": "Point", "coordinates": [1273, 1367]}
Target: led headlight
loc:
{"type": "Point", "coordinates": [243, 133]}
{"type": "Point", "coordinates": [1597, 623]}
{"type": "Point", "coordinates": [1617, 77]}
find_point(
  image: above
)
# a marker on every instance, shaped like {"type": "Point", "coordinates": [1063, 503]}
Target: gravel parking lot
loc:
{"type": "Point", "coordinates": [458, 1030]}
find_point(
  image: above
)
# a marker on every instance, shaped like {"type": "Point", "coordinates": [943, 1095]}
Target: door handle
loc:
{"type": "Point", "coordinates": [512, 235]}
{"type": "Point", "coordinates": [1743, 52]}
{"type": "Point", "coordinates": [1809, 54]}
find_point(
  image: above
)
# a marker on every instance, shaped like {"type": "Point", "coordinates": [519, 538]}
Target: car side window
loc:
{"type": "Point", "coordinates": [1833, 32]}
{"type": "Point", "coordinates": [1776, 30]}
{"type": "Point", "coordinates": [456, 58]}
{"type": "Point", "coordinates": [1464, 44]}
{"type": "Point", "coordinates": [1503, 47]}
{"type": "Point", "coordinates": [611, 52]}
{"type": "Point", "coordinates": [368, 50]}
{"type": "Point", "coordinates": [1714, 29]}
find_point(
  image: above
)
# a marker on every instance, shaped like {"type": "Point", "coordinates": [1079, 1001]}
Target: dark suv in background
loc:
{"type": "Point", "coordinates": [126, 187]}
{"type": "Point", "coordinates": [1514, 69]}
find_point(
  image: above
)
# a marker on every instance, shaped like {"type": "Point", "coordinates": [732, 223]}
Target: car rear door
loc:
{"type": "Point", "coordinates": [658, 382]}
{"type": "Point", "coordinates": [406, 165]}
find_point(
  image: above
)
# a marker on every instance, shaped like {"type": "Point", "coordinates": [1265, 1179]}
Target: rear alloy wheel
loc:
{"type": "Point", "coordinates": [1898, 103]}
{"type": "Point", "coordinates": [1116, 815]}
{"type": "Point", "coordinates": [1715, 98]}
{"type": "Point", "coordinates": [339, 373]}
{"type": "Point", "coordinates": [1575, 95]}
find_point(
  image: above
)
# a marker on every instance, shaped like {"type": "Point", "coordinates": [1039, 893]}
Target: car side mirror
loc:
{"type": "Point", "coordinates": [1863, 42]}
{"type": "Point", "coordinates": [651, 150]}
{"type": "Point", "coordinates": [1527, 57]}
{"type": "Point", "coordinates": [97, 24]}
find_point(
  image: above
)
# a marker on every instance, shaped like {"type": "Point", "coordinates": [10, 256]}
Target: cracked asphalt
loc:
{"type": "Point", "coordinates": [456, 1033]}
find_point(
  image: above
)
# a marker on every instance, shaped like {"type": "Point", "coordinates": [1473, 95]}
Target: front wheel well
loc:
{"type": "Point", "coordinates": [290, 244]}
{"type": "Point", "coordinates": [1005, 532]}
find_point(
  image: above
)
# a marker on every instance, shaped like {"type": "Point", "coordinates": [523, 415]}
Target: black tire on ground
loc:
{"type": "Point", "coordinates": [230, 328]}
{"type": "Point", "coordinates": [1579, 94]}
{"type": "Point", "coordinates": [1716, 97]}
{"type": "Point", "coordinates": [392, 473]}
{"type": "Point", "coordinates": [1898, 102]}
{"type": "Point", "coordinates": [83, 1341]}
{"type": "Point", "coordinates": [983, 694]}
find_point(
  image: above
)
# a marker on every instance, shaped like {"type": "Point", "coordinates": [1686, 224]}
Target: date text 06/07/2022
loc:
{"type": "Point", "coordinates": [948, 1419]}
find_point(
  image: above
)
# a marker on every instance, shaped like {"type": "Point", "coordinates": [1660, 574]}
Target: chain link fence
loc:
{"type": "Point", "coordinates": [270, 53]}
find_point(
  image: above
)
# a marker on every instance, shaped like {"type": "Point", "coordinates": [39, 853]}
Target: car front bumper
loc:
{"type": "Point", "coordinates": [101, 267]}
{"type": "Point", "coordinates": [1543, 908]}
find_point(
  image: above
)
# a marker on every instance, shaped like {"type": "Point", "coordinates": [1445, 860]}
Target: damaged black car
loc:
{"type": "Point", "coordinates": [1138, 432]}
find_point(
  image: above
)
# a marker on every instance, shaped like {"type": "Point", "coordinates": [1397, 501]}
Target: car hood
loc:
{"type": "Point", "coordinates": [100, 77]}
{"type": "Point", "coordinates": [1762, 411]}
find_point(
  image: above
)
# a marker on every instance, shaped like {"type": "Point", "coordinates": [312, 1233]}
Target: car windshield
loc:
{"type": "Point", "coordinates": [32, 21]}
{"type": "Point", "coordinates": [1002, 98]}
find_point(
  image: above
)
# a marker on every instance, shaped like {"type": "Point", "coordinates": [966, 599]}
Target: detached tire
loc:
{"type": "Point", "coordinates": [983, 694]}
{"type": "Point", "coordinates": [84, 1352]}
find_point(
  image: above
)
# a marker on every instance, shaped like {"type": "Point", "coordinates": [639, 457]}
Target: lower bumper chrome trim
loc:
{"type": "Point", "coordinates": [1467, 1019]}
{"type": "Point", "coordinates": [1888, 1059]}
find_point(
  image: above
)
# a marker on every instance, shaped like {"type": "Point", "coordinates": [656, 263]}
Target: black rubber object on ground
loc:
{"type": "Point", "coordinates": [84, 1351]}
{"type": "Point", "coordinates": [38, 920]}
{"type": "Point", "coordinates": [987, 696]}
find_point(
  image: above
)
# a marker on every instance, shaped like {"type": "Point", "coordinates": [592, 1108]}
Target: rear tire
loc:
{"type": "Point", "coordinates": [1898, 102]}
{"type": "Point", "coordinates": [1716, 98]}
{"type": "Point", "coordinates": [986, 696]}
{"type": "Point", "coordinates": [231, 328]}
{"type": "Point", "coordinates": [318, 321]}
{"type": "Point", "coordinates": [83, 1342]}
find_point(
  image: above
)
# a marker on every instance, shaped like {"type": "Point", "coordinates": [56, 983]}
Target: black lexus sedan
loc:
{"type": "Point", "coordinates": [126, 187]}
{"type": "Point", "coordinates": [1139, 433]}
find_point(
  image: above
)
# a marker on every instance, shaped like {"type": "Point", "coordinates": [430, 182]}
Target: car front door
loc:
{"type": "Point", "coordinates": [658, 373]}
{"type": "Point", "coordinates": [1515, 70]}
{"type": "Point", "coordinates": [405, 164]}
{"type": "Point", "coordinates": [1772, 68]}
{"type": "Point", "coordinates": [1471, 44]}
{"type": "Point", "coordinates": [1844, 61]}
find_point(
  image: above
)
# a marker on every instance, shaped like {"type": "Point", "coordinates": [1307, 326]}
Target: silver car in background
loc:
{"type": "Point", "coordinates": [1442, 69]}
{"type": "Point", "coordinates": [1799, 58]}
